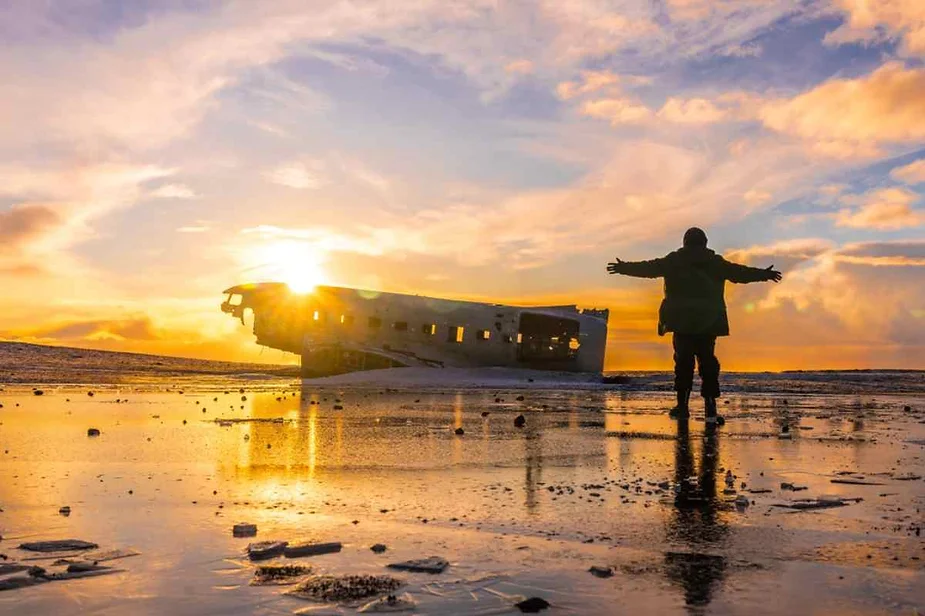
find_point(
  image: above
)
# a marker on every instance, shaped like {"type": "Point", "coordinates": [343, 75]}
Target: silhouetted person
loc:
{"type": "Point", "coordinates": [694, 309]}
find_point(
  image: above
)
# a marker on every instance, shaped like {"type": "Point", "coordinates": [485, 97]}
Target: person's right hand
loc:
{"type": "Point", "coordinates": [773, 274]}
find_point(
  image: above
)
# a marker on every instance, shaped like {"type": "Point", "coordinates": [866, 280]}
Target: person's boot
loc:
{"type": "Point", "coordinates": [681, 409]}
{"type": "Point", "coordinates": [712, 418]}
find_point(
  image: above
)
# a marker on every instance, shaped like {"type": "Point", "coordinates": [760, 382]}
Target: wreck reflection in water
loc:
{"type": "Point", "coordinates": [696, 521]}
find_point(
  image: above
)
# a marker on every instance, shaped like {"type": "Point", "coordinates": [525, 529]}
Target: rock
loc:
{"type": "Point", "coordinates": [36, 571]}
{"type": "Point", "coordinates": [792, 487]}
{"type": "Point", "coordinates": [81, 567]}
{"type": "Point", "coordinates": [519, 398]}
{"type": "Point", "coordinates": [907, 408]}
{"type": "Point", "coordinates": [90, 394]}
{"type": "Point", "coordinates": [378, 548]}
{"type": "Point", "coordinates": [65, 511]}
{"type": "Point", "coordinates": [262, 550]}
{"type": "Point", "coordinates": [311, 549]}
{"type": "Point", "coordinates": [821, 503]}
{"type": "Point", "coordinates": [344, 587]}
{"type": "Point", "coordinates": [38, 392]}
{"type": "Point", "coordinates": [20, 581]}
{"type": "Point", "coordinates": [520, 421]}
{"type": "Point", "coordinates": [279, 575]}
{"type": "Point", "coordinates": [742, 502]}
{"type": "Point", "coordinates": [601, 572]}
{"type": "Point", "coordinates": [532, 605]}
{"type": "Point", "coordinates": [244, 530]}
{"type": "Point", "coordinates": [459, 431]}
{"type": "Point", "coordinates": [93, 432]}
{"type": "Point", "coordinates": [7, 568]}
{"type": "Point", "coordinates": [59, 545]}
{"type": "Point", "coordinates": [431, 564]}
{"type": "Point", "coordinates": [338, 407]}
{"type": "Point", "coordinates": [485, 413]}
{"type": "Point", "coordinates": [391, 603]}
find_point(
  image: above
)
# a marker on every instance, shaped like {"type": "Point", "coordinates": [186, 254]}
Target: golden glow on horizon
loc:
{"type": "Point", "coordinates": [296, 263]}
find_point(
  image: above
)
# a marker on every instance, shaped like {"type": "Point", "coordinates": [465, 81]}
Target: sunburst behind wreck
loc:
{"type": "Point", "coordinates": [338, 329]}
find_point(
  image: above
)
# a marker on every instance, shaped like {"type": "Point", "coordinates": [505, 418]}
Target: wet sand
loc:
{"type": "Point", "coordinates": [593, 478]}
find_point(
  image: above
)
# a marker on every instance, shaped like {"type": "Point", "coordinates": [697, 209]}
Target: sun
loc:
{"type": "Point", "coordinates": [298, 264]}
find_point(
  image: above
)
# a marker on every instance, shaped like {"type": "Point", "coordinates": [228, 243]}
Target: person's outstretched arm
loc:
{"type": "Point", "coordinates": [743, 274]}
{"type": "Point", "coordinates": [654, 268]}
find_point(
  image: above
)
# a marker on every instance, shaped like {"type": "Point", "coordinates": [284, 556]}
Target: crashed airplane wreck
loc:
{"type": "Point", "coordinates": [337, 329]}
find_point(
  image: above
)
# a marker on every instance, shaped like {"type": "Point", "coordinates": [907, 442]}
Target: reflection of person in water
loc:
{"type": "Point", "coordinates": [694, 521]}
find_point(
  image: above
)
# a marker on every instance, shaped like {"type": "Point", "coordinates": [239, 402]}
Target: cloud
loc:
{"type": "Point", "coordinates": [676, 110]}
{"type": "Point", "coordinates": [172, 191]}
{"type": "Point", "coordinates": [839, 306]}
{"type": "Point", "coordinates": [591, 81]}
{"type": "Point", "coordinates": [875, 21]}
{"type": "Point", "coordinates": [855, 117]}
{"type": "Point", "coordinates": [296, 175]}
{"type": "Point", "coordinates": [883, 209]}
{"type": "Point", "coordinates": [519, 67]}
{"type": "Point", "coordinates": [692, 111]}
{"type": "Point", "coordinates": [22, 223]}
{"type": "Point", "coordinates": [616, 111]}
{"type": "Point", "coordinates": [900, 253]}
{"type": "Point", "coordinates": [138, 328]}
{"type": "Point", "coordinates": [913, 173]}
{"type": "Point", "coordinates": [194, 229]}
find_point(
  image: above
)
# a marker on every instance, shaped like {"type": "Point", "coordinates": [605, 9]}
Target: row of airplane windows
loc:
{"type": "Point", "coordinates": [455, 333]}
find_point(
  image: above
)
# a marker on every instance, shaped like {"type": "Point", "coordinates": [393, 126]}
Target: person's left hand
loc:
{"type": "Point", "coordinates": [615, 267]}
{"type": "Point", "coordinates": [773, 274]}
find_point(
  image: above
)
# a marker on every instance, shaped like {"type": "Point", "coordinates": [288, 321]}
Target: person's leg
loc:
{"type": "Point", "coordinates": [683, 373]}
{"type": "Point", "coordinates": [708, 367]}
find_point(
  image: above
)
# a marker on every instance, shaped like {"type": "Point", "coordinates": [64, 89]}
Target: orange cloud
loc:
{"type": "Point", "coordinates": [616, 111]}
{"type": "Point", "coordinates": [692, 111]}
{"type": "Point", "coordinates": [884, 209]}
{"type": "Point", "coordinates": [851, 117]}
{"type": "Point", "coordinates": [913, 173]}
{"type": "Point", "coordinates": [873, 21]}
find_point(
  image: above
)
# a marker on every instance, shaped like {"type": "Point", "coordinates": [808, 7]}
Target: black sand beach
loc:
{"type": "Point", "coordinates": [674, 520]}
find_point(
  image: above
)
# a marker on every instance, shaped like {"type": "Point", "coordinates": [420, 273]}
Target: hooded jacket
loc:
{"type": "Point", "coordinates": [695, 284]}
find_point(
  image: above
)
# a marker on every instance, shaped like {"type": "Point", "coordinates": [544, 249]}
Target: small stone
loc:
{"type": "Point", "coordinates": [263, 550]}
{"type": "Point", "coordinates": [60, 545]}
{"type": "Point", "coordinates": [65, 511]}
{"type": "Point", "coordinates": [520, 421]}
{"type": "Point", "coordinates": [378, 548]}
{"type": "Point", "coordinates": [431, 564]}
{"type": "Point", "coordinates": [519, 398]}
{"type": "Point", "coordinates": [38, 392]}
{"type": "Point", "coordinates": [311, 549]}
{"type": "Point", "coordinates": [93, 432]}
{"type": "Point", "coordinates": [601, 572]}
{"type": "Point", "coordinates": [532, 605]}
{"type": "Point", "coordinates": [485, 413]}
{"type": "Point", "coordinates": [244, 530]}
{"type": "Point", "coordinates": [459, 431]}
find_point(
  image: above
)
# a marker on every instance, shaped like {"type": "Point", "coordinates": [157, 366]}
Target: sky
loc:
{"type": "Point", "coordinates": [154, 153]}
